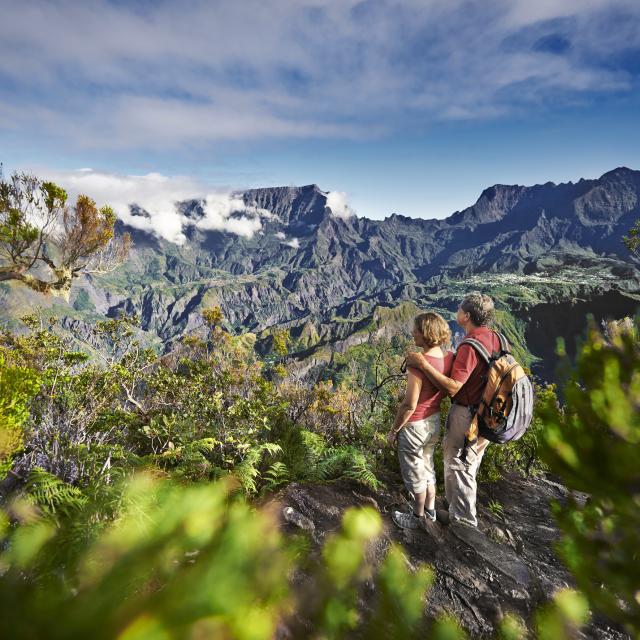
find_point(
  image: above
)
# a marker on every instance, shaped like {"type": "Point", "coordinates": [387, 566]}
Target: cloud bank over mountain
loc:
{"type": "Point", "coordinates": [155, 198]}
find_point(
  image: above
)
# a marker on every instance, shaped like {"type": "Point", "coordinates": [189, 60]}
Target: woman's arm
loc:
{"type": "Point", "coordinates": [408, 404]}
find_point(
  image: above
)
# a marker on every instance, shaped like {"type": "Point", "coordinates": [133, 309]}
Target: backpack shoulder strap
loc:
{"type": "Point", "coordinates": [479, 347]}
{"type": "Point", "coordinates": [504, 343]}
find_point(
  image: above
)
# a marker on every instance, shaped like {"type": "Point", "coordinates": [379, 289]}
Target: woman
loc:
{"type": "Point", "coordinates": [417, 425]}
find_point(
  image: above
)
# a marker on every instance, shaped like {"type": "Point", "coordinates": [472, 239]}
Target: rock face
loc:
{"type": "Point", "coordinates": [506, 565]}
{"type": "Point", "coordinates": [307, 267]}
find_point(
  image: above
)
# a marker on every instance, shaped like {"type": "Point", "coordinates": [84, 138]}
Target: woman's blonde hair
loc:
{"type": "Point", "coordinates": [434, 329]}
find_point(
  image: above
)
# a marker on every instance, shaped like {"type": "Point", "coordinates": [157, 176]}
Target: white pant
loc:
{"type": "Point", "coordinates": [416, 443]}
{"type": "Point", "coordinates": [460, 477]}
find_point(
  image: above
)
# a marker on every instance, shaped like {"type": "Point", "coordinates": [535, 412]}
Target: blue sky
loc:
{"type": "Point", "coordinates": [411, 107]}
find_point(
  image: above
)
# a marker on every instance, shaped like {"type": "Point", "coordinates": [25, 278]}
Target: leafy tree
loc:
{"type": "Point", "coordinates": [592, 445]}
{"type": "Point", "coordinates": [213, 316]}
{"type": "Point", "coordinates": [281, 340]}
{"type": "Point", "coordinates": [38, 227]}
{"type": "Point", "coordinates": [632, 241]}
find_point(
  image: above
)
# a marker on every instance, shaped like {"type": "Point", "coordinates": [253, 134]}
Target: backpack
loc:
{"type": "Point", "coordinates": [506, 408]}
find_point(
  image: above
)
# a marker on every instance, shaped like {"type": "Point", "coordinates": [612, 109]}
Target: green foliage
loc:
{"type": "Point", "coordinates": [247, 471]}
{"type": "Point", "coordinates": [447, 628]}
{"type": "Point", "coordinates": [83, 302]}
{"type": "Point", "coordinates": [563, 617]}
{"type": "Point", "coordinates": [53, 495]}
{"type": "Point", "coordinates": [512, 628]}
{"type": "Point", "coordinates": [632, 241]}
{"type": "Point", "coordinates": [277, 474]}
{"type": "Point", "coordinates": [207, 427]}
{"type": "Point", "coordinates": [592, 445]}
{"type": "Point", "coordinates": [18, 385]}
{"type": "Point", "coordinates": [175, 561]}
{"type": "Point", "coordinates": [496, 508]}
{"type": "Point", "coordinates": [213, 316]}
{"type": "Point", "coordinates": [514, 330]}
{"type": "Point", "coordinates": [345, 462]}
{"type": "Point", "coordinates": [55, 196]}
{"type": "Point", "coordinates": [399, 598]}
{"type": "Point", "coordinates": [37, 228]}
{"type": "Point", "coordinates": [281, 340]}
{"type": "Point", "coordinates": [190, 561]}
{"type": "Point", "coordinates": [204, 412]}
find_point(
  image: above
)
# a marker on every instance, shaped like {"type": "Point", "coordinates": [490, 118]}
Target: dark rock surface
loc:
{"type": "Point", "coordinates": [507, 565]}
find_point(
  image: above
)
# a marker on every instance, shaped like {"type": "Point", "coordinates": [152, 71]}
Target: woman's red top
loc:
{"type": "Point", "coordinates": [430, 396]}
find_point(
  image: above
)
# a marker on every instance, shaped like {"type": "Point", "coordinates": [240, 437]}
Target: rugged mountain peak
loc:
{"type": "Point", "coordinates": [493, 204]}
{"type": "Point", "coordinates": [620, 172]}
{"type": "Point", "coordinates": [615, 195]}
{"type": "Point", "coordinates": [294, 206]}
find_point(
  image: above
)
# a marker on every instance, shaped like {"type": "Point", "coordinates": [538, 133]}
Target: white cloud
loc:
{"type": "Point", "coordinates": [218, 208]}
{"type": "Point", "coordinates": [158, 195]}
{"type": "Point", "coordinates": [337, 202]}
{"type": "Point", "coordinates": [312, 68]}
{"type": "Point", "coordinates": [292, 242]}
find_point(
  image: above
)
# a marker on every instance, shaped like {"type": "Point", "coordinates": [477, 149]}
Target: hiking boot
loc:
{"type": "Point", "coordinates": [430, 514]}
{"type": "Point", "coordinates": [406, 520]}
{"type": "Point", "coordinates": [442, 516]}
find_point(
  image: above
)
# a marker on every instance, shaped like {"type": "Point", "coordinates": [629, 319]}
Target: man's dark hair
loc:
{"type": "Point", "coordinates": [480, 307]}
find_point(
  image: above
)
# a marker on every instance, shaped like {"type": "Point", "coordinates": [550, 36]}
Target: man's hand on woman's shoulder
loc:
{"type": "Point", "coordinates": [415, 360]}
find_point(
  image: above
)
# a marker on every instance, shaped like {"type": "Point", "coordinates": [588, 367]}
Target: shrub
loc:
{"type": "Point", "coordinates": [18, 385]}
{"type": "Point", "coordinates": [186, 561]}
{"type": "Point", "coordinates": [592, 445]}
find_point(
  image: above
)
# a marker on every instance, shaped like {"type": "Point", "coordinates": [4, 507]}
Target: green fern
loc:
{"type": "Point", "coordinates": [302, 451]}
{"type": "Point", "coordinates": [276, 474]}
{"type": "Point", "coordinates": [52, 495]}
{"type": "Point", "coordinates": [345, 462]}
{"type": "Point", "coordinates": [360, 470]}
{"type": "Point", "coordinates": [248, 470]}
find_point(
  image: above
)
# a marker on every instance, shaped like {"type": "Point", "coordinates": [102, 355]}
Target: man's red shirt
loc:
{"type": "Point", "coordinates": [470, 369]}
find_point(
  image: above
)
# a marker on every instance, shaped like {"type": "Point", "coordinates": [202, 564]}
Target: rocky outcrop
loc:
{"type": "Point", "coordinates": [507, 565]}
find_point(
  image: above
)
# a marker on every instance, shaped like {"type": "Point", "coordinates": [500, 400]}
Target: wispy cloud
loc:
{"type": "Point", "coordinates": [101, 74]}
{"type": "Point", "coordinates": [293, 242]}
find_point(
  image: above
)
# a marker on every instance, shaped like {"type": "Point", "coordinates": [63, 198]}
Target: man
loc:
{"type": "Point", "coordinates": [465, 385]}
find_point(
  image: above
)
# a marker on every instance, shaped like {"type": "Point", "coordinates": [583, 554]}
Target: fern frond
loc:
{"type": "Point", "coordinates": [345, 462]}
{"type": "Point", "coordinates": [276, 474]}
{"type": "Point", "coordinates": [248, 470]}
{"type": "Point", "coordinates": [271, 448]}
{"type": "Point", "coordinates": [53, 495]}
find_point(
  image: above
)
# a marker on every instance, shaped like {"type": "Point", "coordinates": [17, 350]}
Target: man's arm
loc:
{"type": "Point", "coordinates": [448, 385]}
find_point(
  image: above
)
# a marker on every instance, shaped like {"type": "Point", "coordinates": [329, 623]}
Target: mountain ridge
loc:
{"type": "Point", "coordinates": [561, 242]}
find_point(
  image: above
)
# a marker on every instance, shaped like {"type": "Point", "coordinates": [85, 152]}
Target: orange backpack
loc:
{"type": "Point", "coordinates": [506, 408]}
